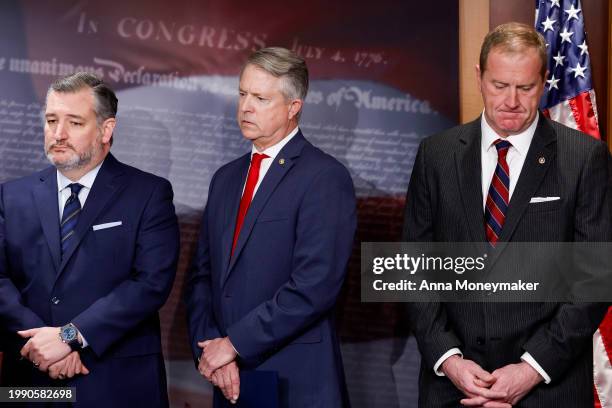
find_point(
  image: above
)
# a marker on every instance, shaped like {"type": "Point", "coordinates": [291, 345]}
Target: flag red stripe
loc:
{"type": "Point", "coordinates": [597, 402]}
{"type": "Point", "coordinates": [605, 329]}
{"type": "Point", "coordinates": [582, 109]}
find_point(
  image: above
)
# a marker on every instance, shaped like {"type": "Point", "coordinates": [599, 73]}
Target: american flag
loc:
{"type": "Point", "coordinates": [569, 98]}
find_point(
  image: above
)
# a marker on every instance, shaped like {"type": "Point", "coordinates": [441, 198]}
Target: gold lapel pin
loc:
{"type": "Point", "coordinates": [281, 161]}
{"type": "Point", "coordinates": [541, 160]}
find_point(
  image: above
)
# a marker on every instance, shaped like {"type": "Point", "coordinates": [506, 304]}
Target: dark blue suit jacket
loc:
{"type": "Point", "coordinates": [274, 297]}
{"type": "Point", "coordinates": [111, 285]}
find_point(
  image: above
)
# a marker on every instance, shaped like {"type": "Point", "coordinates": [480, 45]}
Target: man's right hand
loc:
{"type": "Point", "coordinates": [227, 378]}
{"type": "Point", "coordinates": [473, 381]}
{"type": "Point", "coordinates": [215, 354]}
{"type": "Point", "coordinates": [68, 367]}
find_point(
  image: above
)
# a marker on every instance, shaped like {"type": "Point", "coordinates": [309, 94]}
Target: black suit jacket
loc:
{"type": "Point", "coordinates": [444, 204]}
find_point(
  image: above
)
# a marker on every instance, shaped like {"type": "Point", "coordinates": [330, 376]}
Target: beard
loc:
{"type": "Point", "coordinates": [76, 160]}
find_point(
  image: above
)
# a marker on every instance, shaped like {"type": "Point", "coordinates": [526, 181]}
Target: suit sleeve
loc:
{"type": "Point", "coordinates": [198, 291]}
{"type": "Point", "coordinates": [325, 231]}
{"type": "Point", "coordinates": [557, 345]}
{"type": "Point", "coordinates": [428, 321]}
{"type": "Point", "coordinates": [153, 270]}
{"type": "Point", "coordinates": [14, 316]}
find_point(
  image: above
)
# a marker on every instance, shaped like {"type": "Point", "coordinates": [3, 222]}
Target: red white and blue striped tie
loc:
{"type": "Point", "coordinates": [499, 194]}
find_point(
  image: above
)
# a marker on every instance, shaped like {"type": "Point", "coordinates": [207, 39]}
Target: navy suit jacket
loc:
{"type": "Point", "coordinates": [274, 297]}
{"type": "Point", "coordinates": [110, 285]}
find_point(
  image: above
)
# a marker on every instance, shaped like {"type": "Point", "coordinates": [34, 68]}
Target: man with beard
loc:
{"type": "Point", "coordinates": [88, 255]}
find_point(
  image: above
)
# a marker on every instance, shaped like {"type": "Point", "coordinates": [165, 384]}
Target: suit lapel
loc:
{"type": "Point", "coordinates": [105, 187]}
{"type": "Point", "coordinates": [237, 180]}
{"type": "Point", "coordinates": [467, 159]}
{"type": "Point", "coordinates": [271, 180]}
{"type": "Point", "coordinates": [539, 156]}
{"type": "Point", "coordinates": [46, 199]}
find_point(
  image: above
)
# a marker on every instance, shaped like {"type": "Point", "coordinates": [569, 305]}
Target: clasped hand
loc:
{"type": "Point", "coordinates": [48, 353]}
{"type": "Point", "coordinates": [502, 388]}
{"type": "Point", "coordinates": [217, 364]}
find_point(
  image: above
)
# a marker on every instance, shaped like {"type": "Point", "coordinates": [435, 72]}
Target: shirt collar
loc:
{"type": "Point", "coordinates": [272, 151]}
{"type": "Point", "coordinates": [86, 181]}
{"type": "Point", "coordinates": [520, 141]}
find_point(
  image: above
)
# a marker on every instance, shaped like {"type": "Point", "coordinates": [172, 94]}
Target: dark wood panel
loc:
{"type": "Point", "coordinates": [503, 11]}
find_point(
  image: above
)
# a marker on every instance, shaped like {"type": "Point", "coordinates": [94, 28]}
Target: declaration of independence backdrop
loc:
{"type": "Point", "coordinates": [383, 76]}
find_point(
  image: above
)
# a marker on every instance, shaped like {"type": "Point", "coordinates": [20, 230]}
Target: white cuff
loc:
{"type": "Point", "coordinates": [528, 358]}
{"type": "Point", "coordinates": [232, 344]}
{"type": "Point", "coordinates": [85, 343]}
{"type": "Point", "coordinates": [446, 355]}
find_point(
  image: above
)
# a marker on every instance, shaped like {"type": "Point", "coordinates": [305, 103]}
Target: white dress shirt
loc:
{"type": "Point", "coordinates": [515, 159]}
{"type": "Point", "coordinates": [63, 193]}
{"type": "Point", "coordinates": [271, 152]}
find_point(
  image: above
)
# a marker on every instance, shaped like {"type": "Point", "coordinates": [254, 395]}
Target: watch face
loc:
{"type": "Point", "coordinates": [69, 333]}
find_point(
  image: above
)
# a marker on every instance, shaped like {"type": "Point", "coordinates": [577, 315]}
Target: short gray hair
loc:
{"type": "Point", "coordinates": [282, 63]}
{"type": "Point", "coordinates": [105, 100]}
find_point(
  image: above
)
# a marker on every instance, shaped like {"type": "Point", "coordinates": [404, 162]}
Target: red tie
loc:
{"type": "Point", "coordinates": [247, 196]}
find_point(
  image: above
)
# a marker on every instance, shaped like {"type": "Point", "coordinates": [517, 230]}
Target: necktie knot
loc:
{"type": "Point", "coordinates": [257, 158]}
{"type": "Point", "coordinates": [75, 188]}
{"type": "Point", "coordinates": [502, 145]}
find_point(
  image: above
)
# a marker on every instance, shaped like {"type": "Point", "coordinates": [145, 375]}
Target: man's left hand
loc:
{"type": "Point", "coordinates": [216, 353]}
{"type": "Point", "coordinates": [227, 378]}
{"type": "Point", "coordinates": [44, 346]}
{"type": "Point", "coordinates": [68, 367]}
{"type": "Point", "coordinates": [516, 380]}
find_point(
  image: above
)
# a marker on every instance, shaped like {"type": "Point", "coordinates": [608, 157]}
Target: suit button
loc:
{"type": "Point", "coordinates": [55, 300]}
{"type": "Point", "coordinates": [480, 341]}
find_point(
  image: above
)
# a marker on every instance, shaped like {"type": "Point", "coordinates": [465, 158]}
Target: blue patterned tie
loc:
{"type": "Point", "coordinates": [70, 217]}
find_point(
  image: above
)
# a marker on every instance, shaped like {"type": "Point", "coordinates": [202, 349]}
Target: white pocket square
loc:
{"type": "Point", "coordinates": [107, 225]}
{"type": "Point", "coordinates": [543, 199]}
